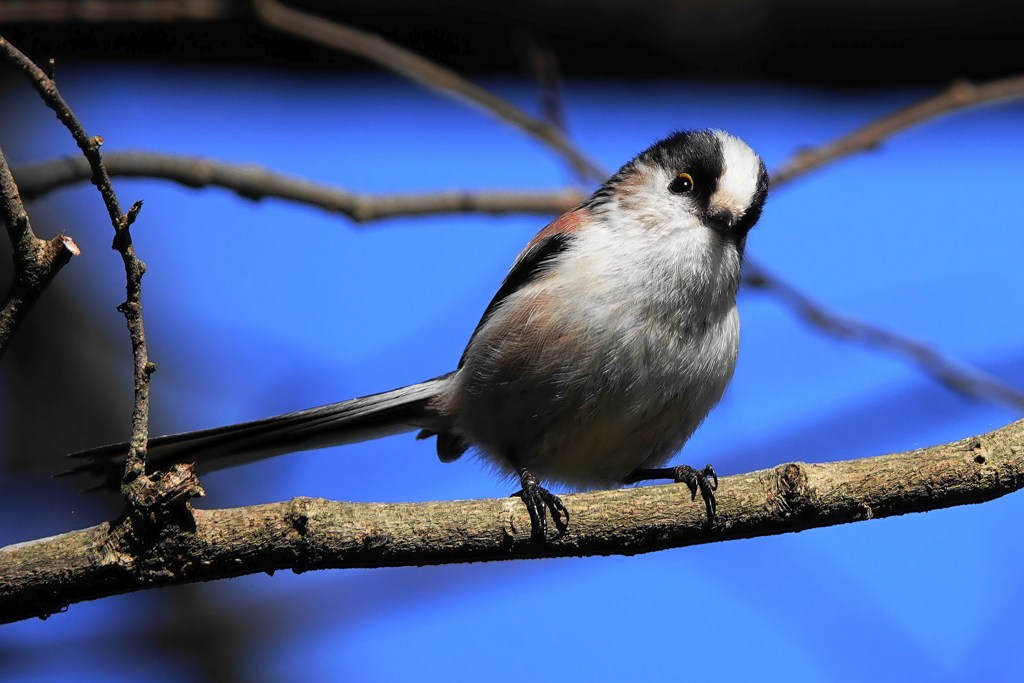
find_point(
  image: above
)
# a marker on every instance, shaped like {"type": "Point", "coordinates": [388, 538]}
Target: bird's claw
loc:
{"type": "Point", "coordinates": [538, 502]}
{"type": "Point", "coordinates": [705, 481]}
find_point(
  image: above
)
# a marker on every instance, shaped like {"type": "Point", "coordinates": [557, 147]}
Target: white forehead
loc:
{"type": "Point", "coordinates": [740, 170]}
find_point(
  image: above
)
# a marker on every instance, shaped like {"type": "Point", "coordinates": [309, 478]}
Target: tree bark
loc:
{"type": "Point", "coordinates": [41, 577]}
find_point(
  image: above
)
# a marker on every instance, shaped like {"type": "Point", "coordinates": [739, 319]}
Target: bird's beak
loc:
{"type": "Point", "coordinates": [721, 219]}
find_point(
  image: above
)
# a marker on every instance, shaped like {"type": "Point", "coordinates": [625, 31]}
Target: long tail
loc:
{"type": "Point", "coordinates": [358, 419]}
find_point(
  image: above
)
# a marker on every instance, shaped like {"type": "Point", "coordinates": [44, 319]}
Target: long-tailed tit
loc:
{"type": "Point", "coordinates": [610, 339]}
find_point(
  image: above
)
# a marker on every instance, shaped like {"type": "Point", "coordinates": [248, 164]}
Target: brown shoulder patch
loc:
{"type": "Point", "coordinates": [566, 224]}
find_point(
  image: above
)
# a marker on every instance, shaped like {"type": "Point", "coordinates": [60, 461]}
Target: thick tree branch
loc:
{"type": "Point", "coordinates": [423, 71]}
{"type": "Point", "coordinates": [256, 182]}
{"type": "Point", "coordinates": [41, 577]}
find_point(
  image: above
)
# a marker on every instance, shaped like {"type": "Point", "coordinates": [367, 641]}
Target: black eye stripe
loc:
{"type": "Point", "coordinates": [698, 153]}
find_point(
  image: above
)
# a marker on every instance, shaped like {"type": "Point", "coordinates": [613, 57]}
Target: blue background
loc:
{"type": "Point", "coordinates": [258, 308]}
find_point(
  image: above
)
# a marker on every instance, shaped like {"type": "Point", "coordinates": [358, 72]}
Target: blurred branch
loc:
{"type": "Point", "coordinates": [38, 578]}
{"type": "Point", "coordinates": [542, 62]}
{"type": "Point", "coordinates": [256, 182]}
{"type": "Point", "coordinates": [423, 71]}
{"type": "Point", "coordinates": [957, 376]}
{"type": "Point", "coordinates": [36, 261]}
{"type": "Point", "coordinates": [135, 482]}
{"type": "Point", "coordinates": [109, 11]}
{"type": "Point", "coordinates": [959, 95]}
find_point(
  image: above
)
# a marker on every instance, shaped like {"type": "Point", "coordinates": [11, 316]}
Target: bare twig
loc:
{"type": "Point", "coordinates": [256, 182]}
{"type": "Point", "coordinates": [960, 95]}
{"type": "Point", "coordinates": [36, 261]}
{"type": "Point", "coordinates": [135, 480]}
{"type": "Point", "coordinates": [41, 577]}
{"type": "Point", "coordinates": [957, 376]}
{"type": "Point", "coordinates": [543, 64]}
{"type": "Point", "coordinates": [423, 71]}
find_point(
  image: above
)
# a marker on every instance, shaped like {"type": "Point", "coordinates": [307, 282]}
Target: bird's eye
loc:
{"type": "Point", "coordinates": [681, 184]}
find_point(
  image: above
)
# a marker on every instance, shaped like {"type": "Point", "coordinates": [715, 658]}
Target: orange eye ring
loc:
{"type": "Point", "coordinates": [681, 184]}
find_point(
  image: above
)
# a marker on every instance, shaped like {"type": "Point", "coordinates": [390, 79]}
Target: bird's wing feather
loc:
{"type": "Point", "coordinates": [532, 261]}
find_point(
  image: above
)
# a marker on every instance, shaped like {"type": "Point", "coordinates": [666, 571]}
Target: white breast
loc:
{"type": "Point", "coordinates": [664, 327]}
{"type": "Point", "coordinates": [631, 339]}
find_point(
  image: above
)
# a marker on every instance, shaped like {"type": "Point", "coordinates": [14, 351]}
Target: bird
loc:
{"type": "Point", "coordinates": [608, 342]}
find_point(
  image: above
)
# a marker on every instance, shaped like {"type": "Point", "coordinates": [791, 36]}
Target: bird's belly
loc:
{"type": "Point", "coordinates": [631, 403]}
{"type": "Point", "coordinates": [605, 449]}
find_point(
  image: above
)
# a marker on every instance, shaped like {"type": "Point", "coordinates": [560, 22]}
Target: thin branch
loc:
{"type": "Point", "coordinates": [957, 376]}
{"type": "Point", "coordinates": [423, 71]}
{"type": "Point", "coordinates": [256, 182]}
{"type": "Point", "coordinates": [36, 261]}
{"type": "Point", "coordinates": [41, 577]}
{"type": "Point", "coordinates": [135, 480]}
{"type": "Point", "coordinates": [959, 95]}
{"type": "Point", "coordinates": [542, 62]}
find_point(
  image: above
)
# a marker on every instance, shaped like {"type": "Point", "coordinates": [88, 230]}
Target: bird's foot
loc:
{"type": "Point", "coordinates": [705, 481]}
{"type": "Point", "coordinates": [538, 502]}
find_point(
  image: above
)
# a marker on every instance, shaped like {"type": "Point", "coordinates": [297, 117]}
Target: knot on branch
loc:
{"type": "Point", "coordinates": [161, 500]}
{"type": "Point", "coordinates": [962, 92]}
{"type": "Point", "coordinates": [978, 450]}
{"type": "Point", "coordinates": [298, 515]}
{"type": "Point", "coordinates": [789, 494]}
{"type": "Point", "coordinates": [307, 552]}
